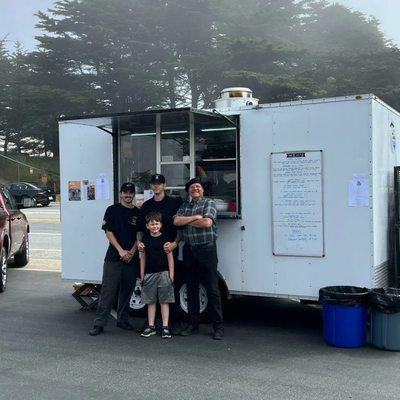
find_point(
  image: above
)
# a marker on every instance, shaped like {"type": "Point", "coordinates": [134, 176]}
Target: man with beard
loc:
{"type": "Point", "coordinates": [120, 268]}
{"type": "Point", "coordinates": [197, 219]}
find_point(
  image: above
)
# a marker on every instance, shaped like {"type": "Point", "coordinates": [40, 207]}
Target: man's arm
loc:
{"type": "Point", "coordinates": [142, 228]}
{"type": "Point", "coordinates": [171, 246]}
{"type": "Point", "coordinates": [204, 222]}
{"type": "Point", "coordinates": [209, 216]}
{"type": "Point", "coordinates": [139, 236]}
{"type": "Point", "coordinates": [124, 254]}
{"type": "Point", "coordinates": [133, 249]}
{"type": "Point", "coordinates": [182, 221]}
{"type": "Point", "coordinates": [142, 264]}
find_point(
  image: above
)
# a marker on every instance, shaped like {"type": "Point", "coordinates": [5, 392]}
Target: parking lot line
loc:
{"type": "Point", "coordinates": [43, 233]}
{"type": "Point", "coordinates": [45, 249]}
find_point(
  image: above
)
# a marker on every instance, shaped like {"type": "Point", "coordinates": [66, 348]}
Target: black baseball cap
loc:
{"type": "Point", "coordinates": [127, 187]}
{"type": "Point", "coordinates": [157, 178]}
{"type": "Point", "coordinates": [191, 182]}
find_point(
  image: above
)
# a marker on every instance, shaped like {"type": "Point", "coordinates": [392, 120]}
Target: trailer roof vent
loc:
{"type": "Point", "coordinates": [234, 97]}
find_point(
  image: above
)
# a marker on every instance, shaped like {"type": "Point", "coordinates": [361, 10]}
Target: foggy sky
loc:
{"type": "Point", "coordinates": [17, 20]}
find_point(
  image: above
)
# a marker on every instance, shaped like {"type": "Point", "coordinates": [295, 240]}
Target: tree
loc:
{"type": "Point", "coordinates": [5, 71]}
{"type": "Point", "coordinates": [98, 56]}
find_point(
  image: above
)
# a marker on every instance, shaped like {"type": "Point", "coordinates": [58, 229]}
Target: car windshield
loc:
{"type": "Point", "coordinates": [30, 186]}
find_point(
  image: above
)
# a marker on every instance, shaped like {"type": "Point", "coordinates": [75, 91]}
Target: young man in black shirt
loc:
{"type": "Point", "coordinates": [167, 206]}
{"type": "Point", "coordinates": [157, 274]}
{"type": "Point", "coordinates": [121, 262]}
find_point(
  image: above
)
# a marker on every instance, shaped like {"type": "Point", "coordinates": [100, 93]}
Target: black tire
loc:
{"type": "Point", "coordinates": [3, 269]}
{"type": "Point", "coordinates": [22, 257]}
{"type": "Point", "coordinates": [45, 204]}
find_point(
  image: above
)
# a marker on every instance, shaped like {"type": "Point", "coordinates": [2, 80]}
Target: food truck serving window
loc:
{"type": "Point", "coordinates": [182, 145]}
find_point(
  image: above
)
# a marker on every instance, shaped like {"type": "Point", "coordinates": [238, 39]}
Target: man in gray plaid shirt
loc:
{"type": "Point", "coordinates": [196, 218]}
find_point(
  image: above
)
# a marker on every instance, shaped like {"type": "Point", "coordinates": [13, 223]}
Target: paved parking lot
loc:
{"type": "Point", "coordinates": [273, 349]}
{"type": "Point", "coordinates": [45, 237]}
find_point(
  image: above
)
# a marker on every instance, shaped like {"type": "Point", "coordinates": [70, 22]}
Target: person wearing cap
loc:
{"type": "Point", "coordinates": [167, 206]}
{"type": "Point", "coordinates": [197, 219]}
{"type": "Point", "coordinates": [121, 265]}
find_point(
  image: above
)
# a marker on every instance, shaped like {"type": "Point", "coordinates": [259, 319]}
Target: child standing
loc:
{"type": "Point", "coordinates": [157, 274]}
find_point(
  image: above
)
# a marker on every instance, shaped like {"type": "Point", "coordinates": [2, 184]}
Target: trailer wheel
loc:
{"type": "Point", "coordinates": [183, 299]}
{"type": "Point", "coordinates": [136, 307]}
{"type": "Point", "coordinates": [22, 258]}
{"type": "Point", "coordinates": [3, 269]}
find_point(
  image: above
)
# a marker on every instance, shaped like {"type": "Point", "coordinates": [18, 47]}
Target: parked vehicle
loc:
{"type": "Point", "coordinates": [28, 195]}
{"type": "Point", "coordinates": [14, 235]}
{"type": "Point", "coordinates": [49, 190]}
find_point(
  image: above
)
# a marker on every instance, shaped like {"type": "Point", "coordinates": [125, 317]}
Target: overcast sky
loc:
{"type": "Point", "coordinates": [17, 20]}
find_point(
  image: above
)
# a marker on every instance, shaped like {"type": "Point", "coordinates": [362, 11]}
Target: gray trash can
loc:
{"type": "Point", "coordinates": [385, 318]}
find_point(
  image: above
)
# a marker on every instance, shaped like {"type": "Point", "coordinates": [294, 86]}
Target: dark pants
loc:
{"type": "Point", "coordinates": [116, 274]}
{"type": "Point", "coordinates": [201, 266]}
{"type": "Point", "coordinates": [174, 312]}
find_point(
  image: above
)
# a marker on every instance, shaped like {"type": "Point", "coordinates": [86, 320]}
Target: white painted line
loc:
{"type": "Point", "coordinates": [41, 211]}
{"type": "Point", "coordinates": [42, 233]}
{"type": "Point", "coordinates": [38, 270]}
{"type": "Point", "coordinates": [44, 249]}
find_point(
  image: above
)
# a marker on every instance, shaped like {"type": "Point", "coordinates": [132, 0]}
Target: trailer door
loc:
{"type": "Point", "coordinates": [86, 174]}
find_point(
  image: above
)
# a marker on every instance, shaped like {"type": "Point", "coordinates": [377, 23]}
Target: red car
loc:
{"type": "Point", "coordinates": [14, 235]}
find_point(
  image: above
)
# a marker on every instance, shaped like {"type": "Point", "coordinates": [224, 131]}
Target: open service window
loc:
{"type": "Point", "coordinates": [182, 144]}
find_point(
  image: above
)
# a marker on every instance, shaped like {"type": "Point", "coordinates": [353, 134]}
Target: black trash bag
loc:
{"type": "Point", "coordinates": [385, 300]}
{"type": "Point", "coordinates": [349, 296]}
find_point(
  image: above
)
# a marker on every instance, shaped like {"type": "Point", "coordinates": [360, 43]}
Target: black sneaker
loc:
{"type": "Point", "coordinates": [189, 330]}
{"type": "Point", "coordinates": [177, 329]}
{"type": "Point", "coordinates": [96, 330]}
{"type": "Point", "coordinates": [125, 325]}
{"type": "Point", "coordinates": [142, 328]}
{"type": "Point", "coordinates": [149, 331]}
{"type": "Point", "coordinates": [218, 334]}
{"type": "Point", "coordinates": [166, 334]}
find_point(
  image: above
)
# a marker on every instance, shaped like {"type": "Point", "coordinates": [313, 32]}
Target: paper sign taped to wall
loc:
{"type": "Point", "coordinates": [359, 191]}
{"type": "Point", "coordinates": [74, 191]}
{"type": "Point", "coordinates": [102, 187]}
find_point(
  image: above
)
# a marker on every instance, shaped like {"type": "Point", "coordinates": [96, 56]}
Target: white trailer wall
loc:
{"type": "Point", "coordinates": [355, 137]}
{"type": "Point", "coordinates": [342, 130]}
{"type": "Point", "coordinates": [85, 153]}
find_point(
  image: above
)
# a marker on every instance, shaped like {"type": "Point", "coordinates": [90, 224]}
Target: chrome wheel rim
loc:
{"type": "Point", "coordinates": [136, 302]}
{"type": "Point", "coordinates": [3, 270]}
{"type": "Point", "coordinates": [202, 298]}
{"type": "Point", "coordinates": [27, 247]}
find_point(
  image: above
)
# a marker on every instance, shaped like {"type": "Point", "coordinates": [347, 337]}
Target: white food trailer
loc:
{"type": "Point", "coordinates": [304, 189]}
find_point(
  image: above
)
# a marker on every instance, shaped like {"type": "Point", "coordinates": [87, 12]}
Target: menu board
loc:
{"type": "Point", "coordinates": [297, 212]}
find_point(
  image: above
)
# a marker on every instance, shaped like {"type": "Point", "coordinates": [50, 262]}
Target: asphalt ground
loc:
{"type": "Point", "coordinates": [273, 349]}
{"type": "Point", "coordinates": [44, 237]}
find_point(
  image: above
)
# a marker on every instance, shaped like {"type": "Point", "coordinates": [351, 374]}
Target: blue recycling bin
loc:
{"type": "Point", "coordinates": [345, 326]}
{"type": "Point", "coordinates": [344, 316]}
{"type": "Point", "coordinates": [385, 318]}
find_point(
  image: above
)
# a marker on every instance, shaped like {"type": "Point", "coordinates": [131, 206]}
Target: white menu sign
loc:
{"type": "Point", "coordinates": [297, 213]}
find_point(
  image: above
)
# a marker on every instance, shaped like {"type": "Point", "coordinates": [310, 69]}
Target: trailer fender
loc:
{"type": "Point", "coordinates": [223, 288]}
